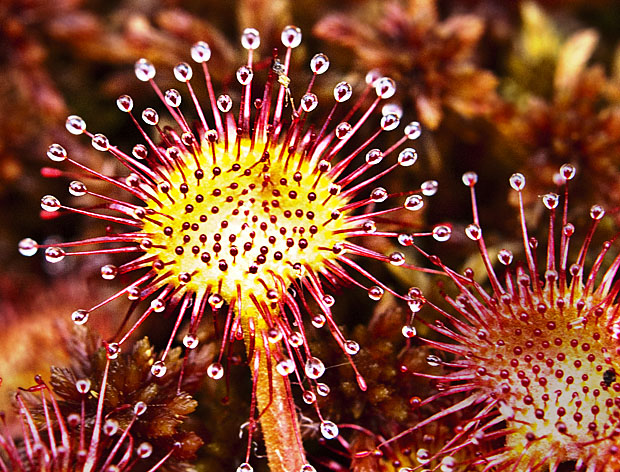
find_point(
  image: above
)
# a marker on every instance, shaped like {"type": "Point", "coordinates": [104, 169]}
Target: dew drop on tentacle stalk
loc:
{"type": "Point", "coordinates": [238, 209]}
{"type": "Point", "coordinates": [530, 363]}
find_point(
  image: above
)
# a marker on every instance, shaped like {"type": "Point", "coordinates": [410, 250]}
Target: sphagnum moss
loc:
{"type": "Point", "coordinates": [246, 215]}
{"type": "Point", "coordinates": [103, 414]}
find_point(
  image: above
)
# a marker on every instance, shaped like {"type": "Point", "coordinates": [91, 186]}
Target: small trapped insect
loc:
{"type": "Point", "coordinates": [609, 377]}
{"type": "Point", "coordinates": [284, 80]}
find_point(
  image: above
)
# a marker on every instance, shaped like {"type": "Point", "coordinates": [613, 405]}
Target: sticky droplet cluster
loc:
{"type": "Point", "coordinates": [245, 220]}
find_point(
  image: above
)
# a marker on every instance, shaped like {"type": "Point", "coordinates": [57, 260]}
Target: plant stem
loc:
{"type": "Point", "coordinates": [274, 400]}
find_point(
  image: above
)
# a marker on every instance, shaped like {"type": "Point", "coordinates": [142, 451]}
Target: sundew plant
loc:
{"type": "Point", "coordinates": [249, 215]}
{"type": "Point", "coordinates": [531, 361]}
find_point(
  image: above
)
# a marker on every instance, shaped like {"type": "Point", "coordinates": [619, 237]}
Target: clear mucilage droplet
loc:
{"type": "Point", "coordinates": [318, 320]}
{"type": "Point", "coordinates": [113, 350]}
{"type": "Point", "coordinates": [77, 188]}
{"type": "Point", "coordinates": [291, 36]}
{"type": "Point", "coordinates": [429, 188]}
{"type": "Point", "coordinates": [408, 331]}
{"type": "Point", "coordinates": [150, 116]}
{"type": "Point", "coordinates": [82, 386]}
{"type": "Point", "coordinates": [224, 103]}
{"type": "Point", "coordinates": [385, 87]}
{"type": "Point", "coordinates": [158, 369]}
{"type": "Point", "coordinates": [413, 130]}
{"type": "Point", "coordinates": [244, 75]}
{"type": "Point", "coordinates": [201, 52]}
{"type": "Point", "coordinates": [28, 247]}
{"type": "Point", "coordinates": [415, 304]}
{"type": "Point", "coordinates": [183, 72]}
{"type": "Point", "coordinates": [405, 239]}
{"type": "Point", "coordinates": [158, 305]}
{"type": "Point", "coordinates": [56, 153]}
{"type": "Point", "coordinates": [295, 339]}
{"type": "Point", "coordinates": [144, 450]}
{"type": "Point", "coordinates": [369, 226]}
{"type": "Point", "coordinates": [110, 427]}
{"type": "Point", "coordinates": [322, 389]}
{"type": "Point", "coordinates": [517, 181]}
{"type": "Point", "coordinates": [473, 232]}
{"type": "Point", "coordinates": [54, 254]}
{"type": "Point", "coordinates": [124, 103]}
{"type": "Point", "coordinates": [319, 63]}
{"type": "Point", "coordinates": [372, 76]}
{"type": "Point", "coordinates": [396, 258]}
{"type": "Point", "coordinates": [314, 368]}
{"type": "Point", "coordinates": [423, 456]}
{"type": "Point", "coordinates": [190, 341]}
{"type": "Point", "coordinates": [109, 272]}
{"type": "Point", "coordinates": [79, 317]}
{"type": "Point", "coordinates": [100, 142]}
{"type": "Point", "coordinates": [375, 293]}
{"type": "Point", "coordinates": [470, 178]}
{"type": "Point", "coordinates": [50, 203]}
{"type": "Point", "coordinates": [329, 430]}
{"type": "Point", "coordinates": [172, 98]}
{"type": "Point", "coordinates": [389, 122]}
{"type": "Point", "coordinates": [568, 171]}
{"type": "Point", "coordinates": [73, 420]}
{"type": "Point", "coordinates": [144, 70]}
{"type": "Point", "coordinates": [504, 256]}
{"type": "Point", "coordinates": [309, 397]}
{"type": "Point", "coordinates": [374, 157]}
{"type": "Point", "coordinates": [448, 463]}
{"type": "Point", "coordinates": [216, 301]}
{"type": "Point", "coordinates": [140, 152]}
{"type": "Point", "coordinates": [324, 166]}
{"type": "Point", "coordinates": [309, 102]}
{"type": "Point", "coordinates": [133, 293]}
{"type": "Point", "coordinates": [75, 125]}
{"type": "Point", "coordinates": [351, 347]}
{"type": "Point", "coordinates": [342, 130]}
{"type": "Point", "coordinates": [140, 408]}
{"type": "Point", "coordinates": [215, 371]}
{"type": "Point", "coordinates": [407, 157]}
{"type": "Point", "coordinates": [379, 195]}
{"type": "Point", "coordinates": [285, 367]}
{"type": "Point", "coordinates": [442, 233]}
{"type": "Point", "coordinates": [250, 39]}
{"type": "Point", "coordinates": [342, 92]}
{"type": "Point", "coordinates": [414, 202]}
{"type": "Point", "coordinates": [597, 212]}
{"type": "Point", "coordinates": [274, 335]}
